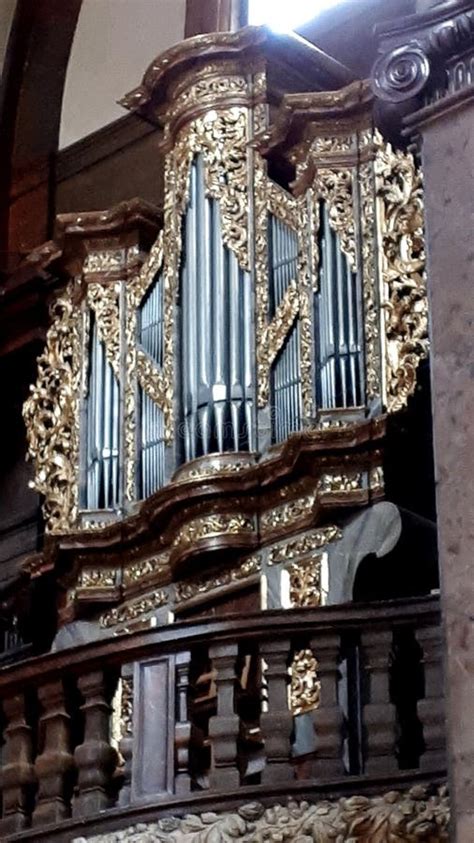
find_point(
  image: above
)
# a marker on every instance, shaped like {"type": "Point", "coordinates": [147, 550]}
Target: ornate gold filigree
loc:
{"type": "Point", "coordinates": [305, 687]}
{"type": "Point", "coordinates": [305, 582]}
{"type": "Point", "coordinates": [373, 365]}
{"type": "Point", "coordinates": [134, 609]}
{"type": "Point", "coordinates": [314, 540]}
{"type": "Point", "coordinates": [213, 525]}
{"type": "Point", "coordinates": [136, 572]}
{"type": "Point", "coordinates": [97, 578]}
{"type": "Point", "coordinates": [188, 589]}
{"type": "Point", "coordinates": [308, 261]}
{"type": "Point", "coordinates": [418, 815]}
{"type": "Point", "coordinates": [332, 145]}
{"type": "Point", "coordinates": [107, 260]}
{"type": "Point", "coordinates": [214, 465]}
{"type": "Point", "coordinates": [277, 331]}
{"type": "Point", "coordinates": [336, 189]}
{"type": "Point", "coordinates": [260, 186]}
{"type": "Point", "coordinates": [221, 137]}
{"type": "Point", "coordinates": [104, 301]}
{"type": "Point", "coordinates": [126, 708]}
{"type": "Point", "coordinates": [400, 218]}
{"type": "Point", "coordinates": [51, 417]}
{"type": "Point", "coordinates": [329, 483]}
{"type": "Point", "coordinates": [287, 513]}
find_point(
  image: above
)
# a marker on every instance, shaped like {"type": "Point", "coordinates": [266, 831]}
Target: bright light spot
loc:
{"type": "Point", "coordinates": [285, 15]}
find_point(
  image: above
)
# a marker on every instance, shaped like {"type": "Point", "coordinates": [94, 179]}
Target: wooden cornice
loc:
{"type": "Point", "coordinates": [305, 65]}
{"type": "Point", "coordinates": [304, 116]}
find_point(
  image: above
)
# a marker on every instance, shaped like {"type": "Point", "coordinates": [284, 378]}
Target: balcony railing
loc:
{"type": "Point", "coordinates": [332, 701]}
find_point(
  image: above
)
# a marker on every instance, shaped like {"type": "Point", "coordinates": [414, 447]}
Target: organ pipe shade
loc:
{"type": "Point", "coordinates": [103, 429]}
{"type": "Point", "coordinates": [217, 385]}
{"type": "Point", "coordinates": [338, 325]}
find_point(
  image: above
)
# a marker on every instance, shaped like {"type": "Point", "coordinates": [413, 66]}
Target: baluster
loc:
{"type": "Point", "coordinates": [431, 708]}
{"type": "Point", "coordinates": [95, 758]}
{"type": "Point", "coordinates": [379, 716]}
{"type": "Point", "coordinates": [54, 766]}
{"type": "Point", "coordinates": [17, 774]}
{"type": "Point", "coordinates": [182, 733]}
{"type": "Point", "coordinates": [277, 722]}
{"type": "Point", "coordinates": [328, 717]}
{"type": "Point", "coordinates": [224, 726]}
{"type": "Point", "coordinates": [126, 732]}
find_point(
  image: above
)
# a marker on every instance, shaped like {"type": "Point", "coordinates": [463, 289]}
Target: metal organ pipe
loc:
{"type": "Point", "coordinates": [338, 322]}
{"type": "Point", "coordinates": [103, 429]}
{"type": "Point", "coordinates": [216, 344]}
{"type": "Point", "coordinates": [285, 374]}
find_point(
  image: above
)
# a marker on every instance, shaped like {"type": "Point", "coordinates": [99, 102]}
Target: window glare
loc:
{"type": "Point", "coordinates": [285, 15]}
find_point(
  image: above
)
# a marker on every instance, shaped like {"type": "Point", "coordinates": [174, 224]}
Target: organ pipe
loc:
{"type": "Point", "coordinates": [216, 342]}
{"type": "Point", "coordinates": [103, 429]}
{"type": "Point", "coordinates": [338, 325]}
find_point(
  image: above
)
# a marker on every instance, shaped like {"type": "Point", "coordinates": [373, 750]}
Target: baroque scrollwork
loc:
{"type": "Point", "coordinates": [335, 188]}
{"type": "Point", "coordinates": [400, 217]}
{"type": "Point", "coordinates": [188, 589]}
{"type": "Point", "coordinates": [314, 540]}
{"type": "Point", "coordinates": [413, 816]}
{"type": "Point", "coordinates": [370, 295]}
{"type": "Point", "coordinates": [213, 525]}
{"type": "Point", "coordinates": [51, 417]}
{"type": "Point", "coordinates": [104, 301]}
{"type": "Point", "coordinates": [305, 687]}
{"type": "Point", "coordinates": [305, 582]}
{"type": "Point", "coordinates": [133, 610]}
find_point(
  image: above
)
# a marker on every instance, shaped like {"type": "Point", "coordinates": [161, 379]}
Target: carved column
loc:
{"type": "Point", "coordinates": [17, 773]}
{"type": "Point", "coordinates": [54, 766]}
{"type": "Point", "coordinates": [431, 708]}
{"type": "Point", "coordinates": [95, 758]}
{"type": "Point", "coordinates": [328, 716]}
{"type": "Point", "coordinates": [277, 722]}
{"type": "Point", "coordinates": [379, 715]}
{"type": "Point", "coordinates": [126, 731]}
{"type": "Point", "coordinates": [182, 733]}
{"type": "Point", "coordinates": [442, 119]}
{"type": "Point", "coordinates": [224, 726]}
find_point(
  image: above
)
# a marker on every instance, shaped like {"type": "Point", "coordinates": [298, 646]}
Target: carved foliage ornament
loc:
{"type": "Point", "coordinates": [51, 417]}
{"type": "Point", "coordinates": [394, 817]}
{"type": "Point", "coordinates": [400, 209]}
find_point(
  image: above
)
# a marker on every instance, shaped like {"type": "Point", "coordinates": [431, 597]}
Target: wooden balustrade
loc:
{"type": "Point", "coordinates": [119, 724]}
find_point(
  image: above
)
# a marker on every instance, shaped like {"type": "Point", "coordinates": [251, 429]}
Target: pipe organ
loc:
{"type": "Point", "coordinates": [264, 308]}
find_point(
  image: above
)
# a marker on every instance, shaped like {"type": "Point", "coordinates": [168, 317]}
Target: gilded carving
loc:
{"type": "Point", "coordinates": [134, 609]}
{"type": "Point", "coordinates": [400, 217]}
{"type": "Point", "coordinates": [214, 465]}
{"type": "Point", "coordinates": [287, 513]}
{"type": "Point", "coordinates": [126, 708]}
{"type": "Point", "coordinates": [187, 589]}
{"type": "Point", "coordinates": [51, 417]}
{"type": "Point", "coordinates": [373, 365]}
{"type": "Point", "coordinates": [329, 483]}
{"type": "Point", "coordinates": [335, 188]}
{"type": "Point", "coordinates": [91, 578]}
{"type": "Point", "coordinates": [305, 687]}
{"type": "Point", "coordinates": [221, 138]}
{"type": "Point", "coordinates": [308, 261]}
{"type": "Point", "coordinates": [305, 582]}
{"type": "Point", "coordinates": [260, 186]}
{"type": "Point", "coordinates": [412, 816]}
{"type": "Point", "coordinates": [107, 260]}
{"type": "Point", "coordinates": [213, 525]}
{"type": "Point", "coordinates": [314, 540]}
{"type": "Point", "coordinates": [275, 333]}
{"type": "Point", "coordinates": [136, 572]}
{"type": "Point", "coordinates": [104, 301]}
{"type": "Point", "coordinates": [332, 145]}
